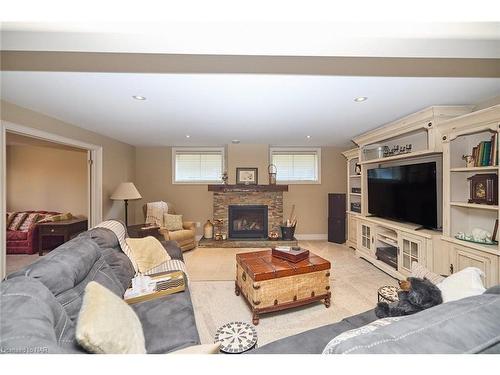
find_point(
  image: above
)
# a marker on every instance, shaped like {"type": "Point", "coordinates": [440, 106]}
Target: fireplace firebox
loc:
{"type": "Point", "coordinates": [247, 221]}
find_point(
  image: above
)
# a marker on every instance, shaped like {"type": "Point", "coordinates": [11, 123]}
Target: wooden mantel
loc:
{"type": "Point", "coordinates": [246, 188]}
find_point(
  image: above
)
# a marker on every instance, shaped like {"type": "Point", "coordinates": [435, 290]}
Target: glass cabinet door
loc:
{"type": "Point", "coordinates": [410, 253]}
{"type": "Point", "coordinates": [366, 236]}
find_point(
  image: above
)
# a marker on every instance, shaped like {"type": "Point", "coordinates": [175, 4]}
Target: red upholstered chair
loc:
{"type": "Point", "coordinates": [25, 241]}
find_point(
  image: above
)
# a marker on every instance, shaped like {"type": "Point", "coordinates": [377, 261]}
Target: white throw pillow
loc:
{"type": "Point", "coordinates": [464, 283]}
{"type": "Point", "coordinates": [107, 325]}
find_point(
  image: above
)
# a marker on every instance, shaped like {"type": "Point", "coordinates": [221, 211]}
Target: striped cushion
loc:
{"type": "Point", "coordinates": [17, 221]}
{"type": "Point", "coordinates": [119, 230]}
{"type": "Point", "coordinates": [30, 220]}
{"type": "Point", "coordinates": [419, 271]}
{"type": "Point", "coordinates": [169, 265]}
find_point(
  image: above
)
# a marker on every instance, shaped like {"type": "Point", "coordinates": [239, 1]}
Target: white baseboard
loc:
{"type": "Point", "coordinates": [311, 237]}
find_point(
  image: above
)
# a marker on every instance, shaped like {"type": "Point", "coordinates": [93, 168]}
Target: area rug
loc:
{"type": "Point", "coordinates": [354, 284]}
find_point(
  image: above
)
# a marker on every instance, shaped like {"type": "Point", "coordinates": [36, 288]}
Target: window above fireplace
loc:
{"type": "Point", "coordinates": [297, 165]}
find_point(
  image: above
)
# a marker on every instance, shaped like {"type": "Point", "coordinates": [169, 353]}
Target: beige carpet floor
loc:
{"type": "Point", "coordinates": [354, 283]}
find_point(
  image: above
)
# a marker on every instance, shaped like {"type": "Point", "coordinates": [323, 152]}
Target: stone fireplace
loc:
{"type": "Point", "coordinates": [270, 196]}
{"type": "Point", "coordinates": [247, 221]}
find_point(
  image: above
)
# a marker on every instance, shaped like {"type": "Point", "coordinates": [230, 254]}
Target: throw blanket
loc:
{"type": "Point", "coordinates": [155, 211]}
{"type": "Point", "coordinates": [118, 228]}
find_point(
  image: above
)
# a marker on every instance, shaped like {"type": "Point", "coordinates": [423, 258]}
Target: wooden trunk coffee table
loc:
{"type": "Point", "coordinates": [271, 284]}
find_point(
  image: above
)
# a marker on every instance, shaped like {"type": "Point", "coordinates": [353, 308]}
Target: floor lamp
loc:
{"type": "Point", "coordinates": [126, 191]}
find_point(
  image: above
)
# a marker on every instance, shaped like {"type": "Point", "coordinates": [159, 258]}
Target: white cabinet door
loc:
{"type": "Point", "coordinates": [463, 257]}
{"type": "Point", "coordinates": [365, 238]}
{"type": "Point", "coordinates": [352, 234]}
{"type": "Point", "coordinates": [411, 249]}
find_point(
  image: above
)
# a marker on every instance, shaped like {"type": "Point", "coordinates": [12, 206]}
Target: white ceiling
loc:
{"type": "Point", "coordinates": [318, 38]}
{"type": "Point", "coordinates": [216, 108]}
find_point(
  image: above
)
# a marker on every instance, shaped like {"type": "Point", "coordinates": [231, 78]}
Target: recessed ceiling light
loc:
{"type": "Point", "coordinates": [188, 136]}
{"type": "Point", "coordinates": [360, 99]}
{"type": "Point", "coordinates": [308, 136]}
{"type": "Point", "coordinates": [138, 97]}
{"type": "Point", "coordinates": [235, 141]}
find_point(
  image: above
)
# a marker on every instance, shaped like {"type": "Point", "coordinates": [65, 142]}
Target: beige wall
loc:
{"type": "Point", "coordinates": [118, 157]}
{"type": "Point", "coordinates": [43, 178]}
{"type": "Point", "coordinates": [154, 181]}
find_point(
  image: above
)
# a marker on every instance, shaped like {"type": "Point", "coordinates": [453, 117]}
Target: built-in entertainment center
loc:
{"type": "Point", "coordinates": [409, 192]}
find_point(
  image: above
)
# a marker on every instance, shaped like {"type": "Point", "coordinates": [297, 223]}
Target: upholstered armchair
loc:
{"type": "Point", "coordinates": [185, 237]}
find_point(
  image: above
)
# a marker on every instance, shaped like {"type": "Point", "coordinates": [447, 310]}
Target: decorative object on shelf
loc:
{"type": "Point", "coordinates": [274, 235]}
{"type": "Point", "coordinates": [397, 150]}
{"type": "Point", "coordinates": [356, 190]}
{"type": "Point", "coordinates": [236, 337]}
{"type": "Point", "coordinates": [356, 207]}
{"type": "Point", "coordinates": [271, 169]}
{"type": "Point", "coordinates": [469, 160]}
{"type": "Point", "coordinates": [478, 235]}
{"type": "Point", "coordinates": [357, 169]}
{"type": "Point", "coordinates": [225, 177]}
{"type": "Point", "coordinates": [484, 188]}
{"type": "Point", "coordinates": [495, 231]}
{"type": "Point", "coordinates": [247, 176]}
{"type": "Point", "coordinates": [208, 230]}
{"type": "Point", "coordinates": [124, 192]}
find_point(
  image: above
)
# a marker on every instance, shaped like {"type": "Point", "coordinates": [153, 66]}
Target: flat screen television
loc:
{"type": "Point", "coordinates": [406, 193]}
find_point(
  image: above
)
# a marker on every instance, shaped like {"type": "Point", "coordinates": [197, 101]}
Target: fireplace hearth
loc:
{"type": "Point", "coordinates": [247, 221]}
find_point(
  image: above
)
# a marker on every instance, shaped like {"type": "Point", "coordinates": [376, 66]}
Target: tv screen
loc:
{"type": "Point", "coordinates": [405, 193]}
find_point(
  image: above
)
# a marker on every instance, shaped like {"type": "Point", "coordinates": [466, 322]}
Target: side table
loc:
{"type": "Point", "coordinates": [65, 229]}
{"type": "Point", "coordinates": [142, 230]}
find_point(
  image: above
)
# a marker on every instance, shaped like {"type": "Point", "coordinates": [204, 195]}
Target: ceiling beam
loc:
{"type": "Point", "coordinates": [241, 64]}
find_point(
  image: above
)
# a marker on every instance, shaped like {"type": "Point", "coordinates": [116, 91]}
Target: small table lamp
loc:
{"type": "Point", "coordinates": [124, 192]}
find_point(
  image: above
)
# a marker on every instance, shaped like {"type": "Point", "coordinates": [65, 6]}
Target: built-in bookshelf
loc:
{"type": "Point", "coordinates": [470, 136]}
{"type": "Point", "coordinates": [354, 192]}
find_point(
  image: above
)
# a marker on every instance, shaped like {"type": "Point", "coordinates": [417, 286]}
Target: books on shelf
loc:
{"type": "Point", "coordinates": [486, 152]}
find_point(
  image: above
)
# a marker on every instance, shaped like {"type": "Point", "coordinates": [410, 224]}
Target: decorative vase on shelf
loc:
{"type": "Point", "coordinates": [208, 230]}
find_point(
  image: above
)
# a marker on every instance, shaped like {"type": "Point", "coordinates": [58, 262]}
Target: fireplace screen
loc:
{"type": "Point", "coordinates": [247, 221]}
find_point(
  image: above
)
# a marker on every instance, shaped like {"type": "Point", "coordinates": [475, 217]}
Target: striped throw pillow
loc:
{"type": "Point", "coordinates": [30, 220]}
{"type": "Point", "coordinates": [17, 221]}
{"type": "Point", "coordinates": [419, 271]}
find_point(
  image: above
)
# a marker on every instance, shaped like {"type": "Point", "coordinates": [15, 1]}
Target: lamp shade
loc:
{"type": "Point", "coordinates": [126, 191]}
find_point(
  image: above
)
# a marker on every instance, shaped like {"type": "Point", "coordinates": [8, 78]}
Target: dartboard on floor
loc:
{"type": "Point", "coordinates": [236, 337]}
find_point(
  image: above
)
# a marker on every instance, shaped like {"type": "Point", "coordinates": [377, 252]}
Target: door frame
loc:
{"type": "Point", "coordinates": [95, 154]}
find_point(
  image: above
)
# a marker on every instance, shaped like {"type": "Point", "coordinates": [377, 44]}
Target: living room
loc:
{"type": "Point", "coordinates": [253, 193]}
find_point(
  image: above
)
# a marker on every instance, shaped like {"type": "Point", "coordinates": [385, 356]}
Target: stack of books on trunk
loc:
{"type": "Point", "coordinates": [486, 152]}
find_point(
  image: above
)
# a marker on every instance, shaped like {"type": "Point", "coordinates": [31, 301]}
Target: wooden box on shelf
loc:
{"type": "Point", "coordinates": [484, 188]}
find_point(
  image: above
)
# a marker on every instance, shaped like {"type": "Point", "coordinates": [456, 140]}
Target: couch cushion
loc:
{"type": "Point", "coordinates": [468, 325]}
{"type": "Point", "coordinates": [168, 323]}
{"type": "Point", "coordinates": [32, 321]}
{"type": "Point", "coordinates": [16, 235]}
{"type": "Point", "coordinates": [66, 271]}
{"type": "Point", "coordinates": [105, 238]}
{"type": "Point", "coordinates": [315, 340]}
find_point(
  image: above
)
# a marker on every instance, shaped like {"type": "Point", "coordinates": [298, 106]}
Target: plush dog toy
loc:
{"type": "Point", "coordinates": [415, 295]}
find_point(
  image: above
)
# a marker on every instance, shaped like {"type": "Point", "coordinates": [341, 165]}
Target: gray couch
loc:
{"type": "Point", "coordinates": [39, 304]}
{"type": "Point", "coordinates": [469, 325]}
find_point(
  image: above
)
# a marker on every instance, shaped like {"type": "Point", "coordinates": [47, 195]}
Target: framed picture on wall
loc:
{"type": "Point", "coordinates": [247, 176]}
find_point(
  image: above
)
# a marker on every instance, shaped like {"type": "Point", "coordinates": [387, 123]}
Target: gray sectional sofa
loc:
{"type": "Point", "coordinates": [468, 325]}
{"type": "Point", "coordinates": [39, 304]}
